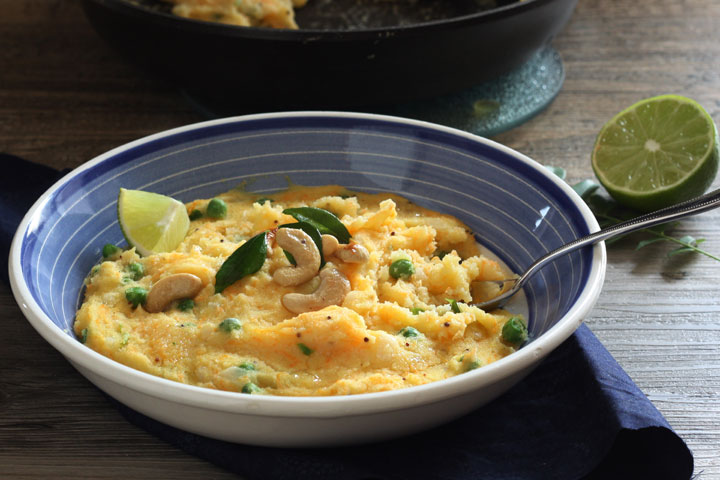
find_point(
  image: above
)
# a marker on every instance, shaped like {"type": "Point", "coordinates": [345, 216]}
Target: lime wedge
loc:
{"type": "Point", "coordinates": [656, 153]}
{"type": "Point", "coordinates": [151, 222]}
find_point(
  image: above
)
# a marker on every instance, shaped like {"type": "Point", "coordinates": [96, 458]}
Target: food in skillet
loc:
{"type": "Point", "coordinates": [314, 291]}
{"type": "Point", "coordinates": [246, 13]}
{"type": "Point", "coordinates": [272, 13]}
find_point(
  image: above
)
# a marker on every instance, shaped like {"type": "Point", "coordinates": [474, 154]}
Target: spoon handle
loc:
{"type": "Point", "coordinates": [684, 209]}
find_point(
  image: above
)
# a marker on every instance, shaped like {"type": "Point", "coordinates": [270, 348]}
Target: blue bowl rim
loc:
{"type": "Point", "coordinates": [517, 364]}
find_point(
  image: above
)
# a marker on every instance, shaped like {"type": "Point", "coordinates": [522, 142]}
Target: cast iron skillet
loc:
{"type": "Point", "coordinates": [347, 53]}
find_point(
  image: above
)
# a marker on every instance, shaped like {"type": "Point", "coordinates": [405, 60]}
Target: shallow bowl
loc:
{"type": "Point", "coordinates": [517, 208]}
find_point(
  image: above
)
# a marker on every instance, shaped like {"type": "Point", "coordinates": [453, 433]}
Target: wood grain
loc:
{"type": "Point", "coordinates": [65, 97]}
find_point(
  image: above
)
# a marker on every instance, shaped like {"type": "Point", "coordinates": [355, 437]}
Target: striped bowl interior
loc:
{"type": "Point", "coordinates": [515, 207]}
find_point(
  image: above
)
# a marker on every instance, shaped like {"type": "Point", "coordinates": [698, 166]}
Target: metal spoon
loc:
{"type": "Point", "coordinates": [681, 210]}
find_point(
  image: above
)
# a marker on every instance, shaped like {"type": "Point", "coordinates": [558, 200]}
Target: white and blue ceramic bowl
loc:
{"type": "Point", "coordinates": [516, 208]}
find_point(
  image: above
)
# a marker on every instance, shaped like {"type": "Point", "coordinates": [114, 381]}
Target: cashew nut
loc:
{"type": "Point", "coordinates": [330, 244]}
{"type": "Point", "coordinates": [306, 254]}
{"type": "Point", "coordinates": [170, 288]}
{"type": "Point", "coordinates": [352, 253]}
{"type": "Point", "coordinates": [331, 291]}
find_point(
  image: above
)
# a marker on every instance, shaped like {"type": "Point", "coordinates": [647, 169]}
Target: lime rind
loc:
{"type": "Point", "coordinates": [683, 165]}
{"type": "Point", "coordinates": [151, 222]}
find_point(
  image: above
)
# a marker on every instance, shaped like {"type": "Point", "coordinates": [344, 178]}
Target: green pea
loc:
{"type": "Point", "coordinates": [195, 215]}
{"type": "Point", "coordinates": [441, 254]}
{"type": "Point", "coordinates": [305, 349]}
{"type": "Point", "coordinates": [472, 365]}
{"type": "Point", "coordinates": [416, 310]}
{"type": "Point", "coordinates": [514, 332]}
{"type": "Point", "coordinates": [110, 250]}
{"type": "Point", "coordinates": [251, 388]}
{"type": "Point", "coordinates": [247, 366]}
{"type": "Point", "coordinates": [83, 335]}
{"type": "Point", "coordinates": [136, 270]}
{"type": "Point", "coordinates": [408, 332]}
{"type": "Point", "coordinates": [216, 208]}
{"type": "Point", "coordinates": [186, 304]}
{"type": "Point", "coordinates": [136, 295]}
{"type": "Point", "coordinates": [262, 201]}
{"type": "Point", "coordinates": [230, 324]}
{"type": "Point", "coordinates": [402, 268]}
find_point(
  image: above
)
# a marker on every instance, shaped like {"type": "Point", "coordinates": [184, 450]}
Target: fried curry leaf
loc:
{"type": "Point", "coordinates": [321, 219]}
{"type": "Point", "coordinates": [314, 234]}
{"type": "Point", "coordinates": [246, 260]}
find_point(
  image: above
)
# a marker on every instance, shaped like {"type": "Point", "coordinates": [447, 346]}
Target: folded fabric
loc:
{"type": "Point", "coordinates": [578, 415]}
{"type": "Point", "coordinates": [21, 184]}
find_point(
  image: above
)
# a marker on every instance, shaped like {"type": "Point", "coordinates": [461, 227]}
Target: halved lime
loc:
{"type": "Point", "coordinates": [658, 152]}
{"type": "Point", "coordinates": [151, 222]}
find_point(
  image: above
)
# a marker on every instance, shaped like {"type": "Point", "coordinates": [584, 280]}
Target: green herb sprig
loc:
{"type": "Point", "coordinates": [608, 213]}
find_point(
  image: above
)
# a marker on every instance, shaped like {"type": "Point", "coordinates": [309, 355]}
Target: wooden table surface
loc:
{"type": "Point", "coordinates": [66, 97]}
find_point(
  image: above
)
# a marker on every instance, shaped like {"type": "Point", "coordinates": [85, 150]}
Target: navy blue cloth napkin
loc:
{"type": "Point", "coordinates": [578, 415]}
